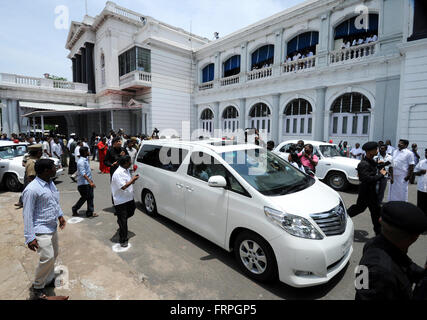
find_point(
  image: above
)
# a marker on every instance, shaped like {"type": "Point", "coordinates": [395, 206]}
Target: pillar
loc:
{"type": "Point", "coordinates": [83, 65]}
{"type": "Point", "coordinates": [78, 68]}
{"type": "Point", "coordinates": [42, 124]}
{"type": "Point", "coordinates": [217, 116]}
{"type": "Point", "coordinates": [90, 74]}
{"type": "Point", "coordinates": [242, 114]}
{"type": "Point", "coordinates": [74, 63]}
{"type": "Point", "coordinates": [112, 119]}
{"type": "Point", "coordinates": [319, 115]}
{"type": "Point", "coordinates": [275, 119]}
{"type": "Point", "coordinates": [34, 125]}
{"type": "Point", "coordinates": [5, 117]}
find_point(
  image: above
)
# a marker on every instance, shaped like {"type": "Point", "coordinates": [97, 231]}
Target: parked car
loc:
{"type": "Point", "coordinates": [12, 170]}
{"type": "Point", "coordinates": [249, 201]}
{"type": "Point", "coordinates": [335, 170]}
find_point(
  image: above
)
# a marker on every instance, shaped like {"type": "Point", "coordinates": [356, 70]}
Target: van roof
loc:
{"type": "Point", "coordinates": [217, 146]}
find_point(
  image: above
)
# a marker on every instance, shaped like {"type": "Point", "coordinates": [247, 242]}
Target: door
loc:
{"type": "Point", "coordinates": [206, 207]}
{"type": "Point", "coordinates": [323, 165]}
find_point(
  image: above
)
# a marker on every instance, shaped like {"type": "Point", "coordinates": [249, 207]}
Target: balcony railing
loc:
{"type": "Point", "coordinates": [206, 86]}
{"type": "Point", "coordinates": [298, 65]}
{"type": "Point", "coordinates": [111, 6]}
{"type": "Point", "coordinates": [24, 81]}
{"type": "Point", "coordinates": [260, 73]}
{"type": "Point", "coordinates": [230, 80]}
{"type": "Point", "coordinates": [135, 79]}
{"type": "Point", "coordinates": [353, 53]}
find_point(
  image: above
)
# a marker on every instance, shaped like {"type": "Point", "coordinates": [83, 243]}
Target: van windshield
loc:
{"type": "Point", "coordinates": [9, 152]}
{"type": "Point", "coordinates": [266, 172]}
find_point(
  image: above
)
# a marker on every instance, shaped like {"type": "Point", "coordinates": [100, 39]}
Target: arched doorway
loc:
{"type": "Point", "coordinates": [260, 117]}
{"type": "Point", "coordinates": [298, 118]}
{"type": "Point", "coordinates": [207, 120]}
{"type": "Point", "coordinates": [230, 119]}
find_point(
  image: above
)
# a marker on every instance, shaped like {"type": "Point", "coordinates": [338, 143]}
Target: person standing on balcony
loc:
{"type": "Point", "coordinates": [403, 167]}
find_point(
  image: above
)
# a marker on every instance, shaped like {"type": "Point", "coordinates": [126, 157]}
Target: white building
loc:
{"type": "Point", "coordinates": [131, 71]}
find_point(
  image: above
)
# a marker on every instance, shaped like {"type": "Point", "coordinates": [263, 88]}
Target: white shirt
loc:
{"type": "Point", "coordinates": [120, 177]}
{"type": "Point", "coordinates": [355, 151]}
{"type": "Point", "coordinates": [387, 158]}
{"type": "Point", "coordinates": [422, 180]}
{"type": "Point", "coordinates": [69, 143]}
{"type": "Point", "coordinates": [354, 42]}
{"type": "Point", "coordinates": [374, 38]}
{"type": "Point", "coordinates": [390, 149]}
{"type": "Point", "coordinates": [310, 54]}
{"type": "Point", "coordinates": [299, 168]}
{"type": "Point", "coordinates": [46, 146]}
{"type": "Point", "coordinates": [402, 159]}
{"type": "Point", "coordinates": [360, 41]}
{"type": "Point", "coordinates": [77, 153]}
{"type": "Point", "coordinates": [132, 154]}
{"type": "Point", "coordinates": [56, 148]}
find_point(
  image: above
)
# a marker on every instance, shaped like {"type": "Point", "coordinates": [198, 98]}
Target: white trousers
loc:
{"type": "Point", "coordinates": [398, 191]}
{"type": "Point", "coordinates": [48, 251]}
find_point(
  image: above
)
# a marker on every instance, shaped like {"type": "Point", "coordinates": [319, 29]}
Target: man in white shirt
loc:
{"type": "Point", "coordinates": [56, 149]}
{"type": "Point", "coordinates": [374, 38]}
{"type": "Point", "coordinates": [72, 136]}
{"type": "Point", "coordinates": [130, 147]}
{"type": "Point", "coordinates": [310, 54]}
{"type": "Point", "coordinates": [360, 41]}
{"type": "Point", "coordinates": [357, 152]}
{"type": "Point", "coordinates": [385, 160]}
{"type": "Point", "coordinates": [403, 166]}
{"type": "Point", "coordinates": [122, 191]}
{"type": "Point", "coordinates": [420, 171]}
{"type": "Point", "coordinates": [390, 148]}
{"type": "Point", "coordinates": [46, 148]}
{"type": "Point", "coordinates": [76, 158]}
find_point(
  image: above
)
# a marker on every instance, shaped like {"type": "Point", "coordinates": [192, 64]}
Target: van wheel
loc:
{"type": "Point", "coordinates": [12, 183]}
{"type": "Point", "coordinates": [149, 203]}
{"type": "Point", "coordinates": [337, 181]}
{"type": "Point", "coordinates": [255, 257]}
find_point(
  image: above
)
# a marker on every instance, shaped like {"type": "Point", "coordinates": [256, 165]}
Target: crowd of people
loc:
{"type": "Point", "coordinates": [357, 41]}
{"type": "Point", "coordinates": [397, 223]}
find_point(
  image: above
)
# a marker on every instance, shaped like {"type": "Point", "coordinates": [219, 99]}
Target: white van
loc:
{"type": "Point", "coordinates": [279, 222]}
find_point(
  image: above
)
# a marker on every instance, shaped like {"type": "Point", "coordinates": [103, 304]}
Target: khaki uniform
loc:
{"type": "Point", "coordinates": [30, 169]}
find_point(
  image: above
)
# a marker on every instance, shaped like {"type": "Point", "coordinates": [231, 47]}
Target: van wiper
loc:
{"type": "Point", "coordinates": [295, 187]}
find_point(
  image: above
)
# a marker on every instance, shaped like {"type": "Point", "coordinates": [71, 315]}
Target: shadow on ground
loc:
{"type": "Point", "coordinates": [361, 236]}
{"type": "Point", "coordinates": [116, 237]}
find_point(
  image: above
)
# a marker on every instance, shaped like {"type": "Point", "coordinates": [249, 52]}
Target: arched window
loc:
{"type": "Point", "coordinates": [260, 117]}
{"type": "Point", "coordinates": [351, 115]}
{"type": "Point", "coordinates": [304, 44]}
{"type": "Point", "coordinates": [102, 68]}
{"type": "Point", "coordinates": [208, 73]}
{"type": "Point", "coordinates": [263, 57]}
{"type": "Point", "coordinates": [298, 117]}
{"type": "Point", "coordinates": [230, 119]}
{"type": "Point", "coordinates": [355, 31]}
{"type": "Point", "coordinates": [232, 66]}
{"type": "Point", "coordinates": [207, 120]}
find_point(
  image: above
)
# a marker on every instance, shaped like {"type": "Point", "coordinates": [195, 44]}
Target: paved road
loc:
{"type": "Point", "coordinates": [179, 264]}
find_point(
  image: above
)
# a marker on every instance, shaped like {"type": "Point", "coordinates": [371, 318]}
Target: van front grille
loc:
{"type": "Point", "coordinates": [332, 222]}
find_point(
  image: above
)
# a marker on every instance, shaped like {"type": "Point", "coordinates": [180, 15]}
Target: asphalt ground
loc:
{"type": "Point", "coordinates": [176, 263]}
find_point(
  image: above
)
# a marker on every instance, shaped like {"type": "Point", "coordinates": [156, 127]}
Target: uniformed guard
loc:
{"type": "Point", "coordinates": [392, 274]}
{"type": "Point", "coordinates": [35, 152]}
{"type": "Point", "coordinates": [369, 175]}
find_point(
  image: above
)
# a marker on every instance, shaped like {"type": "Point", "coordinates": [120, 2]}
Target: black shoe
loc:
{"type": "Point", "coordinates": [75, 213]}
{"type": "Point", "coordinates": [74, 179]}
{"type": "Point", "coordinates": [37, 294]}
{"type": "Point", "coordinates": [124, 244]}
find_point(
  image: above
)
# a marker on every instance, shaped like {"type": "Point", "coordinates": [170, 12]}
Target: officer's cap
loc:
{"type": "Point", "coordinates": [371, 145]}
{"type": "Point", "coordinates": [405, 216]}
{"type": "Point", "coordinates": [134, 139]}
{"type": "Point", "coordinates": [35, 147]}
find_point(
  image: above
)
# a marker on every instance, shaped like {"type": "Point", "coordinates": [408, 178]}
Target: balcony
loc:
{"type": "Point", "coordinates": [298, 65]}
{"type": "Point", "coordinates": [135, 80]}
{"type": "Point", "coordinates": [353, 53]}
{"type": "Point", "coordinates": [230, 80]}
{"type": "Point", "coordinates": [260, 73]}
{"type": "Point", "coordinates": [29, 82]}
{"type": "Point", "coordinates": [206, 86]}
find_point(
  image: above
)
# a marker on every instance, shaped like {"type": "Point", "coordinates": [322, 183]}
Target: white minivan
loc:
{"type": "Point", "coordinates": [279, 222]}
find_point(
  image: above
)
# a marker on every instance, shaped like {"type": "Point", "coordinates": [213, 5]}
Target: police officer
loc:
{"type": "Point", "coordinates": [368, 177]}
{"type": "Point", "coordinates": [35, 152]}
{"type": "Point", "coordinates": [392, 274]}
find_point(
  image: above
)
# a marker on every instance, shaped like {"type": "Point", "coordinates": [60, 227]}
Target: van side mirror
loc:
{"type": "Point", "coordinates": [217, 182]}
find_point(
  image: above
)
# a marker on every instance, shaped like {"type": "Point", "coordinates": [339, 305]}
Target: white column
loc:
{"type": "Point", "coordinates": [112, 119]}
{"type": "Point", "coordinates": [34, 125]}
{"type": "Point", "coordinates": [5, 117]}
{"type": "Point", "coordinates": [275, 119]}
{"type": "Point", "coordinates": [42, 124]}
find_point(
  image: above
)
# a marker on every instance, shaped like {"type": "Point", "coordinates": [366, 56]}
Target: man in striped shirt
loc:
{"type": "Point", "coordinates": [41, 212]}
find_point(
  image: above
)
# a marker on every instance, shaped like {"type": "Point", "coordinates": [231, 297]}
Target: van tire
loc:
{"type": "Point", "coordinates": [266, 268]}
{"type": "Point", "coordinates": [337, 181]}
{"type": "Point", "coordinates": [12, 183]}
{"type": "Point", "coordinates": [149, 203]}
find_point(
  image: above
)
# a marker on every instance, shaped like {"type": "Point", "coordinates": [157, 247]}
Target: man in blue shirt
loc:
{"type": "Point", "coordinates": [41, 212]}
{"type": "Point", "coordinates": [85, 184]}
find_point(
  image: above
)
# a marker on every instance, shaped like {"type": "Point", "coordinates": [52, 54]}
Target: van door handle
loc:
{"type": "Point", "coordinates": [179, 185]}
{"type": "Point", "coordinates": [189, 189]}
{"type": "Point", "coordinates": [327, 164]}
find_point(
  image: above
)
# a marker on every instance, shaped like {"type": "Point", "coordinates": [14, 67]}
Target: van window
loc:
{"type": "Point", "coordinates": [166, 158]}
{"type": "Point", "coordinates": [207, 167]}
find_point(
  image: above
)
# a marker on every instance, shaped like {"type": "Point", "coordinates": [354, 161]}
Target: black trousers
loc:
{"type": "Point", "coordinates": [124, 212]}
{"type": "Point", "coordinates": [86, 195]}
{"type": "Point", "coordinates": [72, 166]}
{"type": "Point", "coordinates": [422, 201]}
{"type": "Point", "coordinates": [367, 201]}
{"type": "Point", "coordinates": [381, 191]}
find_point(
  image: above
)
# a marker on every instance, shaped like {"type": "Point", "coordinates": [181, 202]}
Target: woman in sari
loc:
{"type": "Point", "coordinates": [102, 151]}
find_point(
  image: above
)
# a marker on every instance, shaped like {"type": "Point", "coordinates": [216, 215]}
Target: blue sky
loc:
{"type": "Point", "coordinates": [30, 44]}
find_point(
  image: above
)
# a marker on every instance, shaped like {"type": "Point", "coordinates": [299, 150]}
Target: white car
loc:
{"type": "Point", "coordinates": [337, 171]}
{"type": "Point", "coordinates": [252, 202]}
{"type": "Point", "coordinates": [12, 170]}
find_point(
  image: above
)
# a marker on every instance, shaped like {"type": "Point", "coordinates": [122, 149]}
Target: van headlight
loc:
{"type": "Point", "coordinates": [294, 225]}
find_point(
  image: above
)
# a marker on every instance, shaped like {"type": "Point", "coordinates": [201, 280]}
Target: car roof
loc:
{"type": "Point", "coordinates": [314, 143]}
{"type": "Point", "coordinates": [215, 145]}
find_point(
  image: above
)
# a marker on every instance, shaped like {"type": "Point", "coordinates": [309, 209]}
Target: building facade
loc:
{"type": "Point", "coordinates": [325, 69]}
